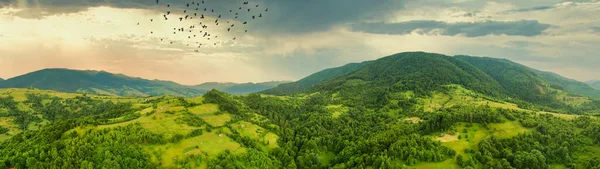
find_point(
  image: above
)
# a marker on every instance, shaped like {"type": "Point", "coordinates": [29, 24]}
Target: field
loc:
{"type": "Point", "coordinates": [469, 136]}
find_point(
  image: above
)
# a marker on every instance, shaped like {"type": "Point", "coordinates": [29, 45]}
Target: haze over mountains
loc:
{"type": "Point", "coordinates": [101, 82]}
{"type": "Point", "coordinates": [410, 70]}
{"type": "Point", "coordinates": [594, 83]}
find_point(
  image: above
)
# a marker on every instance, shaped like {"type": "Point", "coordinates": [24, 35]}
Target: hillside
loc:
{"type": "Point", "coordinates": [309, 81]}
{"type": "Point", "coordinates": [239, 88]}
{"type": "Point", "coordinates": [508, 72]}
{"type": "Point", "coordinates": [594, 84]}
{"type": "Point", "coordinates": [218, 130]}
{"type": "Point", "coordinates": [377, 82]}
{"type": "Point", "coordinates": [97, 82]}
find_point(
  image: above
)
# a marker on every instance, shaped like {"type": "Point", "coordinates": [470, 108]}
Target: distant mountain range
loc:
{"type": "Point", "coordinates": [101, 82]}
{"type": "Point", "coordinates": [239, 88]}
{"type": "Point", "coordinates": [594, 84]}
{"type": "Point", "coordinates": [372, 82]}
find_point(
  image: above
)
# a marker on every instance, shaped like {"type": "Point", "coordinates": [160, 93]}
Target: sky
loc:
{"type": "Point", "coordinates": [293, 38]}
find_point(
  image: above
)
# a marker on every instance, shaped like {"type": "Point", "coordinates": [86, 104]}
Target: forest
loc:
{"type": "Point", "coordinates": [309, 134]}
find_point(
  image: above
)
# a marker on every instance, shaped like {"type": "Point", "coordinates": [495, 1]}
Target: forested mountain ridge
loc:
{"type": "Point", "coordinates": [510, 68]}
{"type": "Point", "coordinates": [594, 84]}
{"type": "Point", "coordinates": [97, 82]}
{"type": "Point", "coordinates": [239, 88]}
{"type": "Point", "coordinates": [304, 83]}
{"type": "Point", "coordinates": [376, 82]}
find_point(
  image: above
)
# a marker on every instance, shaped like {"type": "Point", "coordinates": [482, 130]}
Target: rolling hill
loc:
{"type": "Point", "coordinates": [97, 82]}
{"type": "Point", "coordinates": [309, 81]}
{"type": "Point", "coordinates": [594, 84]}
{"type": "Point", "coordinates": [377, 82]}
{"type": "Point", "coordinates": [507, 72]}
{"type": "Point", "coordinates": [239, 88]}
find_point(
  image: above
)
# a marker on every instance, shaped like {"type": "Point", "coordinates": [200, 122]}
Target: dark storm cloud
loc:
{"type": "Point", "coordinates": [536, 8]}
{"type": "Point", "coordinates": [284, 16]}
{"type": "Point", "coordinates": [468, 29]}
{"type": "Point", "coordinates": [595, 29]}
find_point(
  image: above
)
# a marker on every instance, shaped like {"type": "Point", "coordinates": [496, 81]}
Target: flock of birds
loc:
{"type": "Point", "coordinates": [198, 23]}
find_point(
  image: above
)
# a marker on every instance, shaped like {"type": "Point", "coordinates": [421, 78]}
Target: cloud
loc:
{"type": "Point", "coordinates": [284, 16]}
{"type": "Point", "coordinates": [595, 29]}
{"type": "Point", "coordinates": [536, 8]}
{"type": "Point", "coordinates": [468, 29]}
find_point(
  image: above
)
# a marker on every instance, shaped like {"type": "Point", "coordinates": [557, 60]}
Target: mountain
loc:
{"type": "Point", "coordinates": [309, 81]}
{"type": "Point", "coordinates": [594, 84]}
{"type": "Point", "coordinates": [97, 82]}
{"type": "Point", "coordinates": [570, 85]}
{"type": "Point", "coordinates": [214, 85]}
{"type": "Point", "coordinates": [376, 82]}
{"type": "Point", "coordinates": [509, 73]}
{"type": "Point", "coordinates": [239, 88]}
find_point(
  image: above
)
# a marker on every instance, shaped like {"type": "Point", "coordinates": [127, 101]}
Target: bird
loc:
{"type": "Point", "coordinates": [138, 23]}
{"type": "Point", "coordinates": [168, 5]}
{"type": "Point", "coordinates": [253, 16]}
{"type": "Point", "coordinates": [171, 42]}
{"type": "Point", "coordinates": [151, 32]}
{"type": "Point", "coordinates": [161, 39]}
{"type": "Point", "coordinates": [180, 18]}
{"type": "Point", "coordinates": [219, 16]}
{"type": "Point", "coordinates": [246, 3]}
{"type": "Point", "coordinates": [204, 9]}
{"type": "Point", "coordinates": [156, 1]}
{"type": "Point", "coordinates": [184, 11]}
{"type": "Point", "coordinates": [257, 6]}
{"type": "Point", "coordinates": [150, 20]}
{"type": "Point", "coordinates": [212, 10]}
{"type": "Point", "coordinates": [260, 15]}
{"type": "Point", "coordinates": [248, 9]}
{"type": "Point", "coordinates": [246, 31]}
{"type": "Point", "coordinates": [245, 22]}
{"type": "Point", "coordinates": [187, 5]}
{"type": "Point", "coordinates": [267, 10]}
{"type": "Point", "coordinates": [168, 12]}
{"type": "Point", "coordinates": [216, 20]}
{"type": "Point", "coordinates": [228, 29]}
{"type": "Point", "coordinates": [233, 38]}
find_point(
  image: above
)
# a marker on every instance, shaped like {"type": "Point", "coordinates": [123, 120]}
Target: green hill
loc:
{"type": "Point", "coordinates": [313, 79]}
{"type": "Point", "coordinates": [97, 82]}
{"type": "Point", "coordinates": [507, 72]}
{"type": "Point", "coordinates": [376, 82]}
{"type": "Point", "coordinates": [239, 88]}
{"type": "Point", "coordinates": [594, 84]}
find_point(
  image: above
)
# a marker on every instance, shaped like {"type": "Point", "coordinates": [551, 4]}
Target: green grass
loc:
{"type": "Point", "coordinates": [210, 143]}
{"type": "Point", "coordinates": [204, 109]}
{"type": "Point", "coordinates": [217, 120]}
{"type": "Point", "coordinates": [448, 164]}
{"type": "Point", "coordinates": [158, 123]}
{"type": "Point", "coordinates": [326, 157]}
{"type": "Point", "coordinates": [12, 128]}
{"type": "Point", "coordinates": [256, 132]}
{"type": "Point", "coordinates": [337, 110]}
